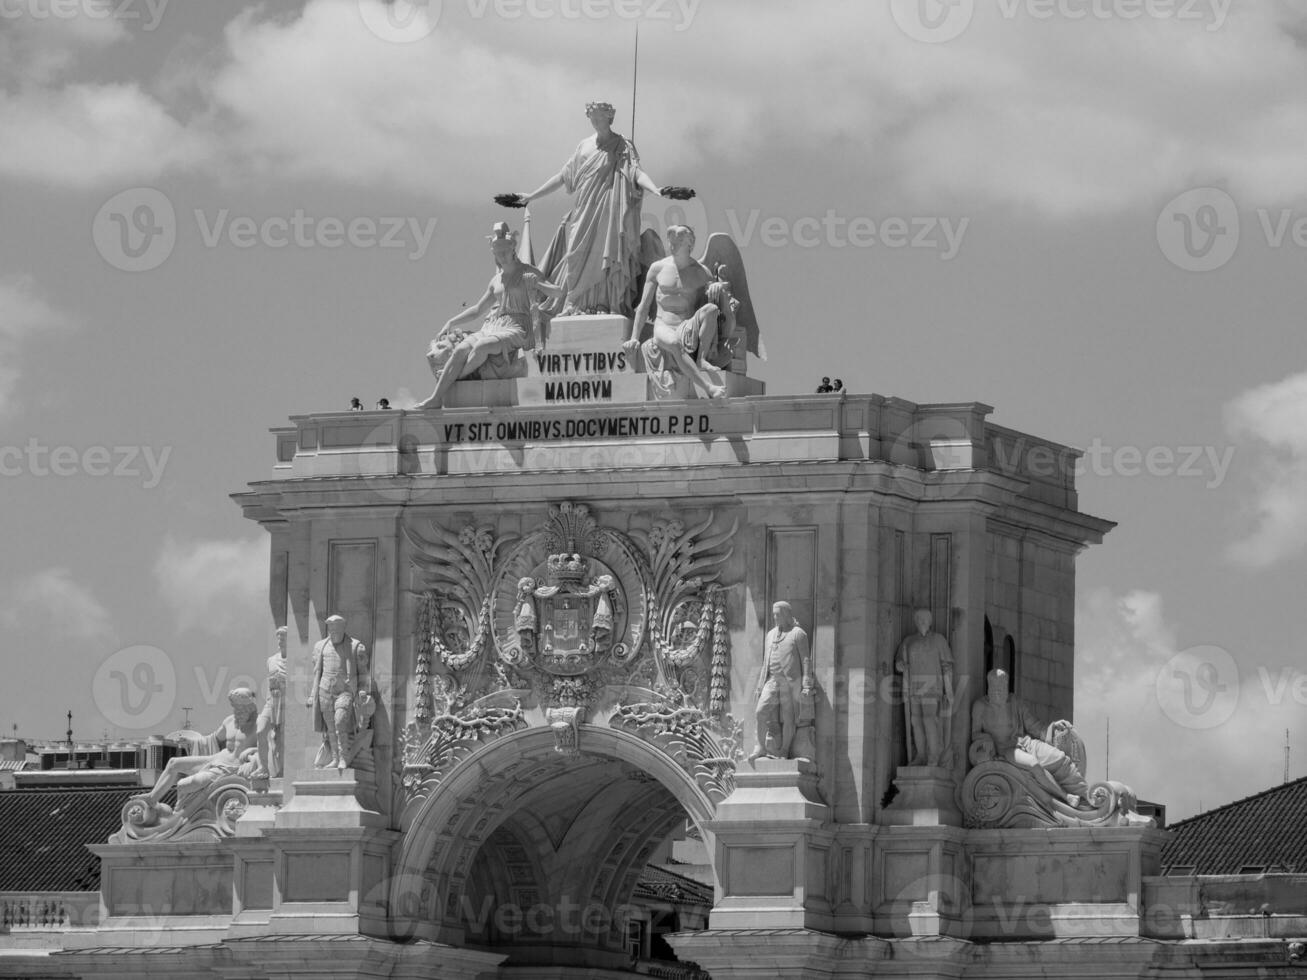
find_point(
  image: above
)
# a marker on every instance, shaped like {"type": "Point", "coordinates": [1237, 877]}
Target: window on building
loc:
{"type": "Point", "coordinates": [637, 933]}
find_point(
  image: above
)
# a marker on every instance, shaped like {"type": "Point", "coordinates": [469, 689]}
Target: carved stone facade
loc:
{"type": "Point", "coordinates": [564, 615]}
{"type": "Point", "coordinates": [572, 623]}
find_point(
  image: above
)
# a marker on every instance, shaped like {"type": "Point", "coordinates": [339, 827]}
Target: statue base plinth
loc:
{"type": "Point", "coordinates": [763, 954]}
{"type": "Point", "coordinates": [927, 797]}
{"type": "Point", "coordinates": [261, 814]}
{"type": "Point", "coordinates": [336, 798]}
{"type": "Point", "coordinates": [332, 853]}
{"type": "Point", "coordinates": [586, 334]}
{"type": "Point", "coordinates": [919, 882]}
{"type": "Point", "coordinates": [774, 847]}
{"type": "Point", "coordinates": [581, 360]}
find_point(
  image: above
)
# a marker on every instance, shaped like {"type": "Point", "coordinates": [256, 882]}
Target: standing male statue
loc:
{"type": "Point", "coordinates": [786, 674]}
{"type": "Point", "coordinates": [273, 713]}
{"type": "Point", "coordinates": [927, 665]}
{"type": "Point", "coordinates": [335, 685]}
{"type": "Point", "coordinates": [595, 256]}
{"type": "Point", "coordinates": [1002, 727]}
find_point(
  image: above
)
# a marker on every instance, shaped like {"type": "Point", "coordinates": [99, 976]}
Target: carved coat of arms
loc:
{"type": "Point", "coordinates": [564, 619]}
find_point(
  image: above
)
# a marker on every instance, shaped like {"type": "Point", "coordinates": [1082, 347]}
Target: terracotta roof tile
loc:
{"type": "Point", "coordinates": [1262, 833]}
{"type": "Point", "coordinates": [46, 830]}
{"type": "Point", "coordinates": [660, 883]}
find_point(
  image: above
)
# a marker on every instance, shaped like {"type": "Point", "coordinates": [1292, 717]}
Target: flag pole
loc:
{"type": "Point", "coordinates": [635, 75]}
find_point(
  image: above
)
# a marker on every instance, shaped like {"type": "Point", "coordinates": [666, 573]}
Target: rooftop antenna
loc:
{"type": "Point", "coordinates": [70, 730]}
{"type": "Point", "coordinates": [1286, 755]}
{"type": "Point", "coordinates": [1108, 774]}
{"type": "Point", "coordinates": [635, 77]}
{"type": "Point", "coordinates": [186, 722]}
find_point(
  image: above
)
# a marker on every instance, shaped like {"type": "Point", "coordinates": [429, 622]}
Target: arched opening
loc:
{"type": "Point", "coordinates": [1010, 655]}
{"type": "Point", "coordinates": [536, 854]}
{"type": "Point", "coordinates": [989, 648]}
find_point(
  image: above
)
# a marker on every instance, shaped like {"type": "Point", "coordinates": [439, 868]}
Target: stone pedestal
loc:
{"type": "Point", "coordinates": [581, 361]}
{"type": "Point", "coordinates": [921, 882]}
{"type": "Point", "coordinates": [162, 893]}
{"type": "Point", "coordinates": [765, 954]}
{"type": "Point", "coordinates": [331, 858]}
{"type": "Point", "coordinates": [1061, 883]}
{"type": "Point", "coordinates": [927, 797]}
{"type": "Point", "coordinates": [773, 850]}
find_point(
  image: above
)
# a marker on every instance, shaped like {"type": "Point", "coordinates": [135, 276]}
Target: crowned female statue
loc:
{"type": "Point", "coordinates": [490, 352]}
{"type": "Point", "coordinates": [596, 254]}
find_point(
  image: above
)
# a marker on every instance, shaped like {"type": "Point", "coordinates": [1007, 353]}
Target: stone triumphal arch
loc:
{"type": "Point", "coordinates": [599, 589]}
{"type": "Point", "coordinates": [523, 846]}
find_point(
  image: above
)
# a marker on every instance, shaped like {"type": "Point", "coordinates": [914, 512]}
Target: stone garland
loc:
{"type": "Point", "coordinates": [422, 670]}
{"type": "Point", "coordinates": [720, 676]}
{"type": "Point", "coordinates": [461, 661]}
{"type": "Point", "coordinates": [684, 657]}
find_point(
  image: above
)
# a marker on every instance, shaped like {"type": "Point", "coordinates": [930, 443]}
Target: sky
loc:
{"type": "Point", "coordinates": [1090, 214]}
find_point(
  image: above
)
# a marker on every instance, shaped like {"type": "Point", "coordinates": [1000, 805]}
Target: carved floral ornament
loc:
{"type": "Point", "coordinates": [568, 623]}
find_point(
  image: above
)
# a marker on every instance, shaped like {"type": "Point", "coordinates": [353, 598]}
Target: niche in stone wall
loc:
{"type": "Point", "coordinates": [792, 573]}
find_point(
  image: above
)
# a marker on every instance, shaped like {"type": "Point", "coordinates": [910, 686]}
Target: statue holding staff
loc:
{"type": "Point", "coordinates": [927, 665]}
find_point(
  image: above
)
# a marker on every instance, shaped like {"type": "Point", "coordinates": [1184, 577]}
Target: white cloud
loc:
{"type": "Point", "coordinates": [51, 603]}
{"type": "Point", "coordinates": [77, 133]}
{"type": "Point", "coordinates": [210, 584]}
{"type": "Point", "coordinates": [40, 47]}
{"type": "Point", "coordinates": [1129, 661]}
{"type": "Point", "coordinates": [86, 136]}
{"type": "Point", "coordinates": [1061, 118]}
{"type": "Point", "coordinates": [23, 314]}
{"type": "Point", "coordinates": [1055, 116]}
{"type": "Point", "coordinates": [1275, 417]}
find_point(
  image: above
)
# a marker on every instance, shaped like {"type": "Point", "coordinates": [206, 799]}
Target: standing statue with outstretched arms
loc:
{"type": "Point", "coordinates": [595, 256]}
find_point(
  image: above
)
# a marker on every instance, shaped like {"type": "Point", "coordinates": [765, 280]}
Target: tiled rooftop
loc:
{"type": "Point", "coordinates": [45, 833]}
{"type": "Point", "coordinates": [668, 886]}
{"type": "Point", "coordinates": [1262, 833]}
